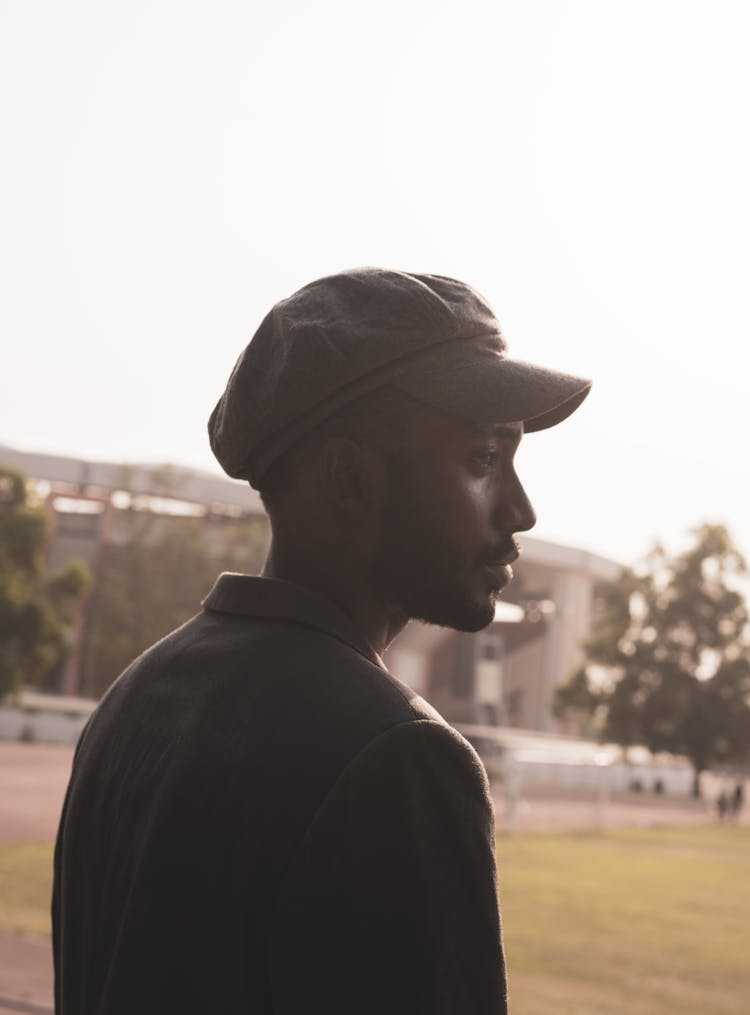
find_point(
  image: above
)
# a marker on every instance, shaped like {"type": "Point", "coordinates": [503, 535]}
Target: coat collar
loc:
{"type": "Point", "coordinates": [274, 599]}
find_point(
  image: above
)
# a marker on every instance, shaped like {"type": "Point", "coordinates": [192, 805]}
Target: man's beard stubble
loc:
{"type": "Point", "coordinates": [425, 580]}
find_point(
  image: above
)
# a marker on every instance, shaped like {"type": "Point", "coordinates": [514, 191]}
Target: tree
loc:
{"type": "Point", "coordinates": [36, 609]}
{"type": "Point", "coordinates": [154, 575]}
{"type": "Point", "coordinates": [668, 663]}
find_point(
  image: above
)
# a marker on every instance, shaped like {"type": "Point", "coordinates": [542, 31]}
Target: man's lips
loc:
{"type": "Point", "coordinates": [504, 554]}
{"type": "Point", "coordinates": [499, 564]}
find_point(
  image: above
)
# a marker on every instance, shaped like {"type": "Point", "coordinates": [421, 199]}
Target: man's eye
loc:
{"type": "Point", "coordinates": [486, 459]}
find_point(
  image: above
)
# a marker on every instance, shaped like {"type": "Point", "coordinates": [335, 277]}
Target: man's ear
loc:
{"type": "Point", "coordinates": [352, 475]}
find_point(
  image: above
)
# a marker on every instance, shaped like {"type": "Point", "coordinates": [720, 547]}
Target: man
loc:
{"type": "Point", "coordinates": [260, 817]}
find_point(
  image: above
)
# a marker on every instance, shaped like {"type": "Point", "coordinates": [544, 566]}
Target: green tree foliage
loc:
{"type": "Point", "coordinates": [668, 663]}
{"type": "Point", "coordinates": [154, 574]}
{"type": "Point", "coordinates": [36, 608]}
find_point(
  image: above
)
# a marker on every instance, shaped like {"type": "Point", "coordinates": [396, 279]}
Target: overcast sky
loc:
{"type": "Point", "coordinates": [171, 168]}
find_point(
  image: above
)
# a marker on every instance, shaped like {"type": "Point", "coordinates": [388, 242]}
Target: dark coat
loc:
{"type": "Point", "coordinates": [261, 819]}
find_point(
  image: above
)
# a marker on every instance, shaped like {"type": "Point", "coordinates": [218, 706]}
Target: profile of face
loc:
{"type": "Point", "coordinates": [452, 505]}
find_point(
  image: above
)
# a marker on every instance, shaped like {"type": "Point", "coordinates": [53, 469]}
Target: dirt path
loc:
{"type": "Point", "coordinates": [550, 808]}
{"type": "Point", "coordinates": [33, 779]}
{"type": "Point", "coordinates": [25, 974]}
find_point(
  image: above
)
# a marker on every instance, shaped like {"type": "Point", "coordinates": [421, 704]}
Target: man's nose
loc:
{"type": "Point", "coordinates": [514, 511]}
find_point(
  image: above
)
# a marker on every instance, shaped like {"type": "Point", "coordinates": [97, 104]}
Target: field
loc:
{"type": "Point", "coordinates": [642, 922]}
{"type": "Point", "coordinates": [25, 888]}
{"type": "Point", "coordinates": [632, 922]}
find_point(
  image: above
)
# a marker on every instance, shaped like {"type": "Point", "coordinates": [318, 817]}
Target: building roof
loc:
{"type": "Point", "coordinates": [178, 482]}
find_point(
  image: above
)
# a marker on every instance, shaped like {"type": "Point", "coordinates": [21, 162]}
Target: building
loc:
{"type": "Point", "coordinates": [503, 676]}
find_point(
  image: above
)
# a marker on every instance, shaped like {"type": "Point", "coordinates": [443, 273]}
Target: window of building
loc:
{"type": "Point", "coordinates": [77, 524]}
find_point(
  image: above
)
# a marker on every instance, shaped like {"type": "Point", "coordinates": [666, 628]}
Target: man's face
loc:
{"type": "Point", "coordinates": [452, 505]}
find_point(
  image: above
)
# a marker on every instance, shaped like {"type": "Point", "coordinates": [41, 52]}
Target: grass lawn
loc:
{"type": "Point", "coordinates": [630, 922]}
{"type": "Point", "coordinates": [651, 922]}
{"type": "Point", "coordinates": [25, 887]}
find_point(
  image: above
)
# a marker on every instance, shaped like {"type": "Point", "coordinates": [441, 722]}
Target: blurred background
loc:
{"type": "Point", "coordinates": [169, 171]}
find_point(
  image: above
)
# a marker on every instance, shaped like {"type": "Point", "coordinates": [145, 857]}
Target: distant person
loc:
{"type": "Point", "coordinates": [738, 800]}
{"type": "Point", "coordinates": [722, 805]}
{"type": "Point", "coordinates": [260, 817]}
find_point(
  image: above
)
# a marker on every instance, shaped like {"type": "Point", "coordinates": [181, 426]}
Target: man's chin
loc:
{"type": "Point", "coordinates": [469, 617]}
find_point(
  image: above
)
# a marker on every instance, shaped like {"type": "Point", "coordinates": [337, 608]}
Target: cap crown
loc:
{"type": "Point", "coordinates": [329, 335]}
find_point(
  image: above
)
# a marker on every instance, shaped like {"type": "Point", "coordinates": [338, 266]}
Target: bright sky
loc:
{"type": "Point", "coordinates": [172, 168]}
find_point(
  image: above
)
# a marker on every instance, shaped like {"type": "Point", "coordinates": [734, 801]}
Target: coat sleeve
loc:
{"type": "Point", "coordinates": [391, 902]}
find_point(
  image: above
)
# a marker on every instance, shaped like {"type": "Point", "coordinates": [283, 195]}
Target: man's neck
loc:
{"type": "Point", "coordinates": [373, 620]}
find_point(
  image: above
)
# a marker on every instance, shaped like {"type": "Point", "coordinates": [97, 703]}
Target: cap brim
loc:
{"type": "Point", "coordinates": [499, 390]}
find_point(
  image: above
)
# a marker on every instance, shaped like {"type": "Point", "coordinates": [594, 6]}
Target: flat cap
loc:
{"type": "Point", "coordinates": [344, 335]}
